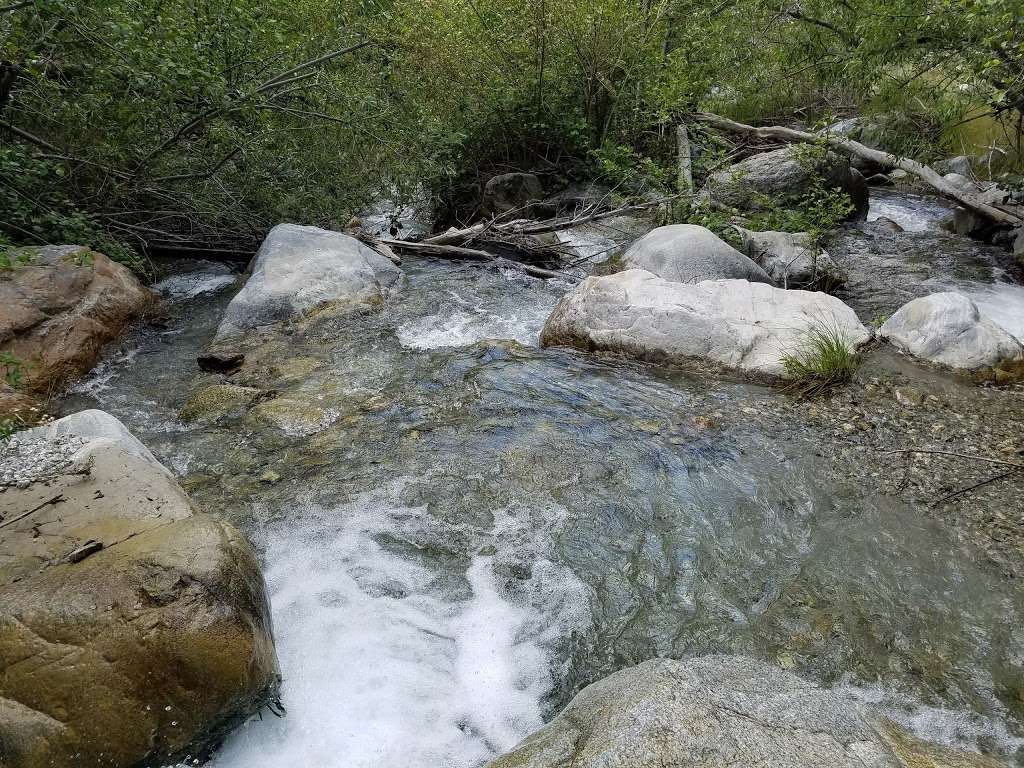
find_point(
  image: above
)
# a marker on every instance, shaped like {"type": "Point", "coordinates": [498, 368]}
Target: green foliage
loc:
{"type": "Point", "coordinates": [8, 427]}
{"type": "Point", "coordinates": [155, 124]}
{"type": "Point", "coordinates": [13, 369]}
{"type": "Point", "coordinates": [823, 361]}
{"type": "Point", "coordinates": [700, 213]}
{"type": "Point", "coordinates": [817, 212]}
{"type": "Point", "coordinates": [623, 166]}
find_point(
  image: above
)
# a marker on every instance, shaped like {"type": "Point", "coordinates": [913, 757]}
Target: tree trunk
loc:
{"type": "Point", "coordinates": [684, 183]}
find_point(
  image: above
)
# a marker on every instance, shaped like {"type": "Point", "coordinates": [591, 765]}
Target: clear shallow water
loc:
{"type": "Point", "coordinates": [888, 269]}
{"type": "Point", "coordinates": [482, 527]}
{"type": "Point", "coordinates": [913, 212]}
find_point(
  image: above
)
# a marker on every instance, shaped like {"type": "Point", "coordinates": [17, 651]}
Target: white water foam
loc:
{"type": "Point", "coordinates": [1003, 303]}
{"type": "Point", "coordinates": [460, 323]}
{"type": "Point", "coordinates": [912, 212]}
{"type": "Point", "coordinates": [386, 666]}
{"type": "Point", "coordinates": [99, 378]}
{"type": "Point", "coordinates": [209, 279]}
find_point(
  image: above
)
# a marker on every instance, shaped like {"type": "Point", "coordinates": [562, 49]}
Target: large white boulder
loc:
{"type": "Point", "coordinates": [793, 260]}
{"type": "Point", "coordinates": [301, 269]}
{"type": "Point", "coordinates": [686, 253]}
{"type": "Point", "coordinates": [733, 324]}
{"type": "Point", "coordinates": [719, 712]}
{"type": "Point", "coordinates": [949, 329]}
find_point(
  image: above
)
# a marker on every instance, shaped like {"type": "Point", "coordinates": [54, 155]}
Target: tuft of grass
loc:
{"type": "Point", "coordinates": [823, 361]}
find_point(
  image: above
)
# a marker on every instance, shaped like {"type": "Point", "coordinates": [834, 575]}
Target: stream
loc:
{"type": "Point", "coordinates": [460, 529]}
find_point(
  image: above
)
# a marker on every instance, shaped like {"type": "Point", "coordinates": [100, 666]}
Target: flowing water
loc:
{"type": "Point", "coordinates": [461, 529]}
{"type": "Point", "coordinates": [887, 269]}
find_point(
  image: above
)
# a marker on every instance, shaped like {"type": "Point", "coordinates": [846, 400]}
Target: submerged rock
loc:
{"type": "Point", "coordinates": [949, 329]}
{"type": "Point", "coordinates": [722, 711]}
{"type": "Point", "coordinates": [511, 191]}
{"type": "Point", "coordinates": [58, 306]}
{"type": "Point", "coordinates": [301, 270]}
{"type": "Point", "coordinates": [133, 630]}
{"type": "Point", "coordinates": [732, 324]}
{"type": "Point", "coordinates": [783, 176]}
{"type": "Point", "coordinates": [220, 400]}
{"type": "Point", "coordinates": [686, 253]}
{"type": "Point", "coordinates": [793, 260]}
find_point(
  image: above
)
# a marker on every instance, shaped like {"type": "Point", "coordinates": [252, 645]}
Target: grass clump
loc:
{"type": "Point", "coordinates": [824, 361]}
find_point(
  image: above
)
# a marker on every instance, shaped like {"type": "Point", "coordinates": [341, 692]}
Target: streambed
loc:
{"type": "Point", "coordinates": [460, 529]}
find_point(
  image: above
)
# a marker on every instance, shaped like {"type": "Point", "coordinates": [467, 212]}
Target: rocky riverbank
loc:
{"type": "Point", "coordinates": [514, 520]}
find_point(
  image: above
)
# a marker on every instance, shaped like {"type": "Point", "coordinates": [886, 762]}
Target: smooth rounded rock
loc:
{"type": "Point", "coordinates": [722, 712]}
{"type": "Point", "coordinates": [949, 329]}
{"type": "Point", "coordinates": [687, 253]}
{"type": "Point", "coordinates": [300, 270]}
{"type": "Point", "coordinates": [793, 260]}
{"type": "Point", "coordinates": [783, 177]}
{"type": "Point", "coordinates": [731, 324]}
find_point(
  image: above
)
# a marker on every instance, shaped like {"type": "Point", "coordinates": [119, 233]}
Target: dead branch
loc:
{"type": "Point", "coordinates": [380, 247]}
{"type": "Point", "coordinates": [970, 456]}
{"type": "Point", "coordinates": [471, 254]}
{"type": "Point", "coordinates": [1012, 217]}
{"type": "Point", "coordinates": [968, 489]}
{"type": "Point", "coordinates": [528, 227]}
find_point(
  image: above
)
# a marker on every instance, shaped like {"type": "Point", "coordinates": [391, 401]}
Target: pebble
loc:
{"type": "Point", "coordinates": [27, 458]}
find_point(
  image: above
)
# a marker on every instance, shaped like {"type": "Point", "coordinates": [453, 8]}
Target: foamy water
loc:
{"type": "Point", "coordinates": [209, 277]}
{"type": "Point", "coordinates": [915, 213]}
{"type": "Point", "coordinates": [460, 321]}
{"type": "Point", "coordinates": [401, 655]}
{"type": "Point", "coordinates": [1003, 303]}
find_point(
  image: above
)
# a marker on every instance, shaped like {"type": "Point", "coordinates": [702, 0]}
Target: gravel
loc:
{"type": "Point", "coordinates": [26, 458]}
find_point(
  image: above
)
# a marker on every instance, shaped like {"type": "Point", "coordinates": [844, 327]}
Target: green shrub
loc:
{"type": "Point", "coordinates": [824, 360]}
{"type": "Point", "coordinates": [13, 368]}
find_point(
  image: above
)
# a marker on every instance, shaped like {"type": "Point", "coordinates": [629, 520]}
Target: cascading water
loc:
{"type": "Point", "coordinates": [482, 527]}
{"type": "Point", "coordinates": [887, 269]}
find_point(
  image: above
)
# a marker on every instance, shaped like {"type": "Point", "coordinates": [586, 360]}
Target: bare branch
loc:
{"type": "Point", "coordinates": [851, 147]}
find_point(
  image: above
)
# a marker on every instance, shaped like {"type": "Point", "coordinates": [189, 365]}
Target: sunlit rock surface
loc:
{"type": "Point", "coordinates": [734, 324]}
{"type": "Point", "coordinates": [721, 711]}
{"type": "Point", "coordinates": [132, 628]}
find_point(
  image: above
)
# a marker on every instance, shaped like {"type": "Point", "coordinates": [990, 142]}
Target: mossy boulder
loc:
{"type": "Point", "coordinates": [295, 416]}
{"type": "Point", "coordinates": [136, 630]}
{"type": "Point", "coordinates": [218, 401]}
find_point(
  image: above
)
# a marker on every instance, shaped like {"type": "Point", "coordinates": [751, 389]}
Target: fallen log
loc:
{"type": "Point", "coordinates": [1012, 216]}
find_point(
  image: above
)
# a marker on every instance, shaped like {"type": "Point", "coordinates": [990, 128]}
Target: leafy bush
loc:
{"type": "Point", "coordinates": [824, 360]}
{"type": "Point", "coordinates": [817, 212]}
{"type": "Point", "coordinates": [13, 368]}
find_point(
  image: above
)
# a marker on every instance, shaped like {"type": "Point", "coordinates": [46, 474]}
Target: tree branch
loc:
{"type": "Point", "coordinates": [1011, 218]}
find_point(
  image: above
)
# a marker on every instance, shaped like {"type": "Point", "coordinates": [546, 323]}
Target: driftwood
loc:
{"type": "Point", "coordinates": [1006, 215]}
{"type": "Point", "coordinates": [455, 243]}
{"type": "Point", "coordinates": [530, 227]}
{"type": "Point", "coordinates": [470, 254]}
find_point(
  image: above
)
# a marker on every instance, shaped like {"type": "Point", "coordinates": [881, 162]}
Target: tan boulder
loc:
{"type": "Point", "coordinates": [133, 629]}
{"type": "Point", "coordinates": [58, 306]}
